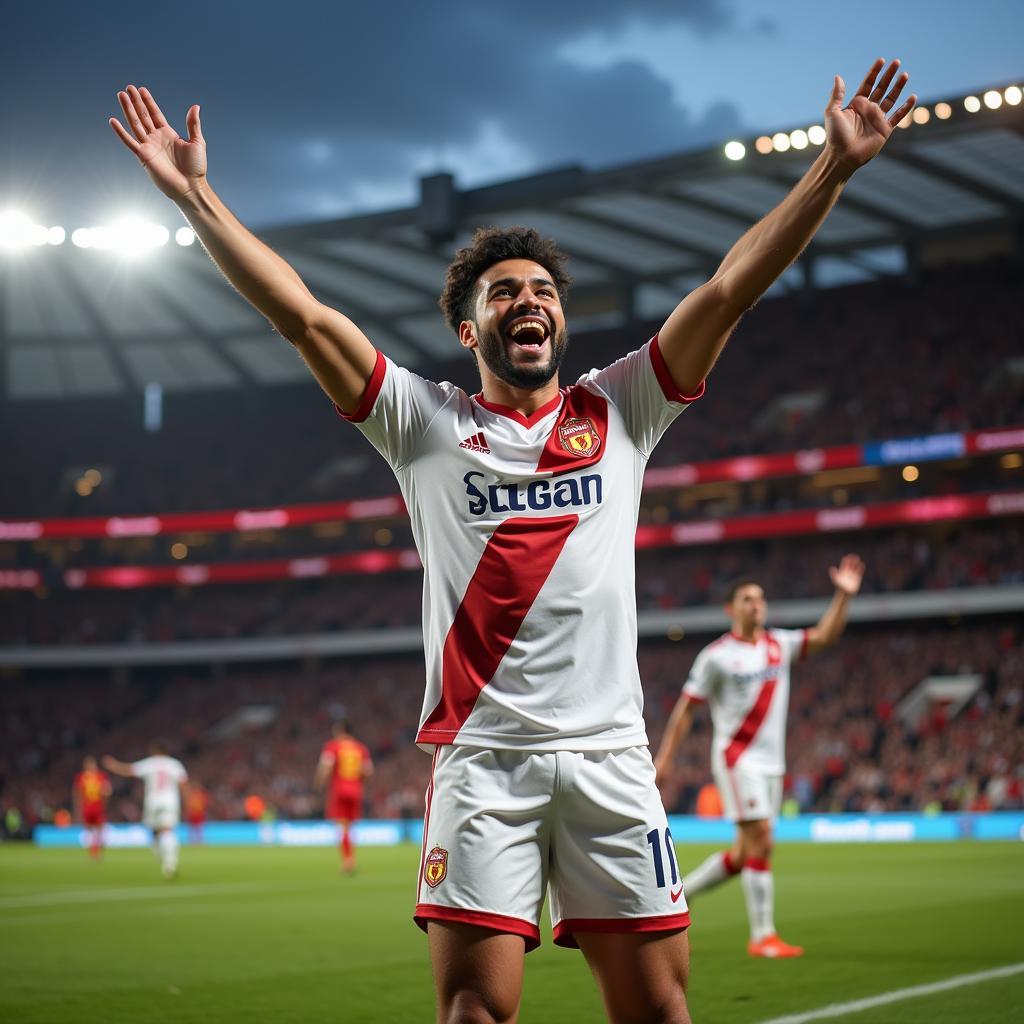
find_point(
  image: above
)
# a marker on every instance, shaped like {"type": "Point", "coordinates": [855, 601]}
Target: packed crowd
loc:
{"type": "Point", "coordinates": [954, 335]}
{"type": "Point", "coordinates": [850, 748]}
{"type": "Point", "coordinates": [926, 558]}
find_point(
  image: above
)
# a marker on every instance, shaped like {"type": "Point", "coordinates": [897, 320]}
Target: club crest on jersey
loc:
{"type": "Point", "coordinates": [579, 437]}
{"type": "Point", "coordinates": [435, 867]}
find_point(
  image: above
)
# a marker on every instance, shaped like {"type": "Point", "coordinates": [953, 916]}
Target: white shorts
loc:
{"type": "Point", "coordinates": [160, 816]}
{"type": "Point", "coordinates": [503, 826]}
{"type": "Point", "coordinates": [748, 795]}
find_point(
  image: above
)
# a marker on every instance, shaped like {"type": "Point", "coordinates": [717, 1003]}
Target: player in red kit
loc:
{"type": "Point", "coordinates": [347, 764]}
{"type": "Point", "coordinates": [196, 807]}
{"type": "Point", "coordinates": [89, 794]}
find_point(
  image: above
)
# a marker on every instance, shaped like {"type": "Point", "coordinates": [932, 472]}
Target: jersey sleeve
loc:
{"type": "Point", "coordinates": [396, 409]}
{"type": "Point", "coordinates": [793, 643]}
{"type": "Point", "coordinates": [180, 772]}
{"type": "Point", "coordinates": [140, 769]}
{"type": "Point", "coordinates": [327, 754]}
{"type": "Point", "coordinates": [641, 388]}
{"type": "Point", "coordinates": [700, 684]}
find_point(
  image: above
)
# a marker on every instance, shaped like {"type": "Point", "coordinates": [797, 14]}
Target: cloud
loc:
{"type": "Point", "coordinates": [344, 102]}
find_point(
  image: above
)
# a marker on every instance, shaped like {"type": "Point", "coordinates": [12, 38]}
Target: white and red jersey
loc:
{"type": "Point", "coordinates": [525, 526]}
{"type": "Point", "coordinates": [162, 776]}
{"type": "Point", "coordinates": [747, 687]}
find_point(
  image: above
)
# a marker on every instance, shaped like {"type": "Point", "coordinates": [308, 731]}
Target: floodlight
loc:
{"type": "Point", "coordinates": [82, 237]}
{"type": "Point", "coordinates": [780, 142]}
{"type": "Point", "coordinates": [184, 236]}
{"type": "Point", "coordinates": [993, 99]}
{"type": "Point", "coordinates": [56, 236]}
{"type": "Point", "coordinates": [15, 229]}
{"type": "Point", "coordinates": [816, 134]}
{"type": "Point", "coordinates": [921, 115]}
{"type": "Point", "coordinates": [943, 111]}
{"type": "Point", "coordinates": [735, 150]}
{"type": "Point", "coordinates": [1013, 95]}
{"type": "Point", "coordinates": [798, 139]}
{"type": "Point", "coordinates": [763, 145]}
{"type": "Point", "coordinates": [972, 104]}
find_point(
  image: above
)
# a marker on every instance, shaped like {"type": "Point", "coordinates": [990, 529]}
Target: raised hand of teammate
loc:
{"type": "Point", "coordinates": [176, 165]}
{"type": "Point", "coordinates": [848, 576]}
{"type": "Point", "coordinates": [857, 132]}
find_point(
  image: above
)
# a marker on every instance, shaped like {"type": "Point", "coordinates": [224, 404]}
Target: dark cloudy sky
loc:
{"type": "Point", "coordinates": [318, 109]}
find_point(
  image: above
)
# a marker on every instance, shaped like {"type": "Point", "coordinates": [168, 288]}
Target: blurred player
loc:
{"type": "Point", "coordinates": [197, 804]}
{"type": "Point", "coordinates": [165, 781]}
{"type": "Point", "coordinates": [89, 794]}
{"type": "Point", "coordinates": [523, 501]}
{"type": "Point", "coordinates": [346, 764]}
{"type": "Point", "coordinates": [744, 677]}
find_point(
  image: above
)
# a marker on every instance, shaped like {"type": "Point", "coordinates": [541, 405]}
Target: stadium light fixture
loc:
{"type": "Point", "coordinates": [56, 235]}
{"type": "Point", "coordinates": [735, 150]}
{"type": "Point", "coordinates": [972, 104]}
{"type": "Point", "coordinates": [763, 145]}
{"type": "Point", "coordinates": [816, 135]}
{"type": "Point", "coordinates": [911, 473]}
{"type": "Point", "coordinates": [184, 236]}
{"type": "Point", "coordinates": [1013, 95]}
{"type": "Point", "coordinates": [922, 115]}
{"type": "Point", "coordinates": [943, 111]}
{"type": "Point", "coordinates": [798, 139]}
{"type": "Point", "coordinates": [18, 230]}
{"type": "Point", "coordinates": [780, 142]}
{"type": "Point", "coordinates": [993, 99]}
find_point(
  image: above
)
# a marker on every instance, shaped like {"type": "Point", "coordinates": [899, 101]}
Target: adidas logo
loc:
{"type": "Point", "coordinates": [476, 443]}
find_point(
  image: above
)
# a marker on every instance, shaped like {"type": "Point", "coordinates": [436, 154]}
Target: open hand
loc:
{"type": "Point", "coordinates": [856, 133]}
{"type": "Point", "coordinates": [176, 165]}
{"type": "Point", "coordinates": [848, 576]}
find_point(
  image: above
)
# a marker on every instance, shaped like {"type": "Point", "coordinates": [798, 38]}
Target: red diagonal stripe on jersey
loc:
{"type": "Point", "coordinates": [514, 566]}
{"type": "Point", "coordinates": [755, 716]}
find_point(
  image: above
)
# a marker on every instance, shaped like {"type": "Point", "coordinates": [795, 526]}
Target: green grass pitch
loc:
{"type": "Point", "coordinates": [277, 935]}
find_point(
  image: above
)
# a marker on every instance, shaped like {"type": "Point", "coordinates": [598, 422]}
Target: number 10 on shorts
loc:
{"type": "Point", "coordinates": [654, 838]}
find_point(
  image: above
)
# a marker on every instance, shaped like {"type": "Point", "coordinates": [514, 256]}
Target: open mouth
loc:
{"type": "Point", "coordinates": [528, 332]}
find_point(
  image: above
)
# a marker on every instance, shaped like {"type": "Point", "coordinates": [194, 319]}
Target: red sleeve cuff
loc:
{"type": "Point", "coordinates": [668, 385]}
{"type": "Point", "coordinates": [373, 386]}
{"type": "Point", "coordinates": [693, 697]}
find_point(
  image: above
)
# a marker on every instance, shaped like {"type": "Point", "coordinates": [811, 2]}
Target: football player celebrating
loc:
{"type": "Point", "coordinates": [744, 678]}
{"type": "Point", "coordinates": [523, 501]}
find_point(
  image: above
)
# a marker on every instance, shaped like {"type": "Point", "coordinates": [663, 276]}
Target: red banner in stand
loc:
{"type": "Point", "coordinates": [739, 469]}
{"type": "Point", "coordinates": [708, 531]}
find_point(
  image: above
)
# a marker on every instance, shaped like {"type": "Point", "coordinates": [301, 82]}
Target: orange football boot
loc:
{"type": "Point", "coordinates": [774, 948]}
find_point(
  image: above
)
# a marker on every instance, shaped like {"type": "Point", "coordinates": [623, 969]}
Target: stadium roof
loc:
{"type": "Point", "coordinates": [82, 321]}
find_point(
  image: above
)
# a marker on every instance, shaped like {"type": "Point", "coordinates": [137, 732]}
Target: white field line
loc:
{"type": "Point", "coordinates": [857, 1005]}
{"type": "Point", "coordinates": [167, 891]}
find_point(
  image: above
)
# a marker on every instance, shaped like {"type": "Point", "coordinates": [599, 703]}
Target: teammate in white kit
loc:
{"type": "Point", "coordinates": [744, 678]}
{"type": "Point", "coordinates": [165, 779]}
{"type": "Point", "coordinates": [524, 501]}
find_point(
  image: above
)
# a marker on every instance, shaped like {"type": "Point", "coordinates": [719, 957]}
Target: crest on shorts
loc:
{"type": "Point", "coordinates": [436, 867]}
{"type": "Point", "coordinates": [579, 437]}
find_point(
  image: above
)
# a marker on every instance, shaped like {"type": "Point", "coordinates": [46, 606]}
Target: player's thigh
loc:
{"type": "Point", "coordinates": [478, 973]}
{"type": "Point", "coordinates": [613, 862]}
{"type": "Point", "coordinates": [486, 838]}
{"type": "Point", "coordinates": [642, 977]}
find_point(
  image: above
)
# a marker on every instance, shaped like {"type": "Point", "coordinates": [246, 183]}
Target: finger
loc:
{"type": "Point", "coordinates": [894, 93]}
{"type": "Point", "coordinates": [154, 110]}
{"type": "Point", "coordinates": [869, 78]}
{"type": "Point", "coordinates": [140, 108]}
{"type": "Point", "coordinates": [195, 129]}
{"type": "Point", "coordinates": [131, 116]}
{"type": "Point", "coordinates": [883, 83]}
{"type": "Point", "coordinates": [120, 132]}
{"type": "Point", "coordinates": [838, 92]}
{"type": "Point", "coordinates": [905, 109]}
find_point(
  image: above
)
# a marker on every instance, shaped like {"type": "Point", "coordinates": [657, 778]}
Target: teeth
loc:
{"type": "Point", "coordinates": [524, 324]}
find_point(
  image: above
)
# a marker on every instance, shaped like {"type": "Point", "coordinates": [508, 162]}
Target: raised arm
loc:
{"type": "Point", "coordinates": [847, 580]}
{"type": "Point", "coordinates": [697, 330]}
{"type": "Point", "coordinates": [115, 767]}
{"type": "Point", "coordinates": [677, 729]}
{"type": "Point", "coordinates": [339, 354]}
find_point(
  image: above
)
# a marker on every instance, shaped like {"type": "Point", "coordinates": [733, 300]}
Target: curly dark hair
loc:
{"type": "Point", "coordinates": [490, 246]}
